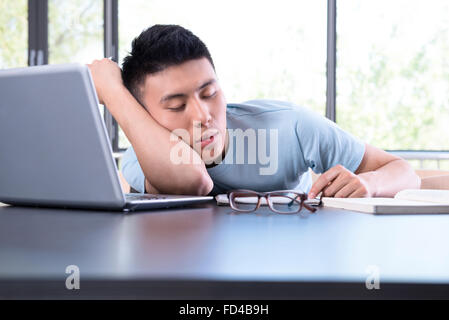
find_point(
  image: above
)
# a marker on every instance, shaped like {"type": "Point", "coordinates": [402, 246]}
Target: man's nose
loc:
{"type": "Point", "coordinates": [200, 113]}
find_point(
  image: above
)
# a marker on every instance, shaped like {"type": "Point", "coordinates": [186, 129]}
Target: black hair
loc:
{"type": "Point", "coordinates": [158, 48]}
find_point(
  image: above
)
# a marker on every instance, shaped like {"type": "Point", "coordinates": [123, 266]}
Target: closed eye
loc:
{"type": "Point", "coordinates": [178, 109]}
{"type": "Point", "coordinates": [210, 96]}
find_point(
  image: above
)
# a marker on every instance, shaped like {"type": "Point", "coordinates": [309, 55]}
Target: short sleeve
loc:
{"type": "Point", "coordinates": [325, 145]}
{"type": "Point", "coordinates": [132, 171]}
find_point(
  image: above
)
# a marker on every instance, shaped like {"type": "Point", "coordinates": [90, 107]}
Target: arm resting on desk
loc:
{"type": "Point", "coordinates": [435, 182]}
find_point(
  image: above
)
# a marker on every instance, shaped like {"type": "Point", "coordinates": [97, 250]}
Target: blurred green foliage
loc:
{"type": "Point", "coordinates": [393, 74]}
{"type": "Point", "coordinates": [73, 26]}
{"type": "Point", "coordinates": [13, 33]}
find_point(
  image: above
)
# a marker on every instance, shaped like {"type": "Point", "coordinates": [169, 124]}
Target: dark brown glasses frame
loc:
{"type": "Point", "coordinates": [299, 197]}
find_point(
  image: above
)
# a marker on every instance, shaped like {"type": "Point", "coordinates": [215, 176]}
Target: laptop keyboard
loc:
{"type": "Point", "coordinates": [140, 196]}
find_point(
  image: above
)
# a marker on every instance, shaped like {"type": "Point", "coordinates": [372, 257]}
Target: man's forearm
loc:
{"type": "Point", "coordinates": [152, 145]}
{"type": "Point", "coordinates": [392, 178]}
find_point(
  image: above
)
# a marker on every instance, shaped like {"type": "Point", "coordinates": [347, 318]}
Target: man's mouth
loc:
{"type": "Point", "coordinates": [208, 138]}
{"type": "Point", "coordinates": [207, 141]}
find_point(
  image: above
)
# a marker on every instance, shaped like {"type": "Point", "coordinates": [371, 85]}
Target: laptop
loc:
{"type": "Point", "coordinates": [54, 148]}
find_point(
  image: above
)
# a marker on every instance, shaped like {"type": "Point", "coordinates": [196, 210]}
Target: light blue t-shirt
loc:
{"type": "Point", "coordinates": [272, 144]}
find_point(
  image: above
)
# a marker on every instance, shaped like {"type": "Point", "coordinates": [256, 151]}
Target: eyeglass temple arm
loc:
{"type": "Point", "coordinates": [291, 202]}
{"type": "Point", "coordinates": [305, 204]}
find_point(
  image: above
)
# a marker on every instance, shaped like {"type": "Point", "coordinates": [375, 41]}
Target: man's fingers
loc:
{"type": "Point", "coordinates": [360, 192]}
{"type": "Point", "coordinates": [346, 191]}
{"type": "Point", "coordinates": [324, 180]}
{"type": "Point", "coordinates": [356, 194]}
{"type": "Point", "coordinates": [335, 186]}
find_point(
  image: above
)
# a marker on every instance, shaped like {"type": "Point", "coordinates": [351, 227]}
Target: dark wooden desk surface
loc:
{"type": "Point", "coordinates": [208, 252]}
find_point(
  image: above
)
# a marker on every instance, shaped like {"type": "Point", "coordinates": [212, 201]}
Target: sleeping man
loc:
{"type": "Point", "coordinates": [186, 139]}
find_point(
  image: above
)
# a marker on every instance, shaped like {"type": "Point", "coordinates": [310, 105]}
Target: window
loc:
{"type": "Point", "coordinates": [392, 67]}
{"type": "Point", "coordinates": [261, 49]}
{"type": "Point", "coordinates": [13, 34]}
{"type": "Point", "coordinates": [393, 72]}
{"type": "Point", "coordinates": [75, 30]}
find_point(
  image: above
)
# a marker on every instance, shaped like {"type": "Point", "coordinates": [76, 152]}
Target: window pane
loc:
{"type": "Point", "coordinates": [13, 34]}
{"type": "Point", "coordinates": [393, 72]}
{"type": "Point", "coordinates": [75, 30]}
{"type": "Point", "coordinates": [261, 49]}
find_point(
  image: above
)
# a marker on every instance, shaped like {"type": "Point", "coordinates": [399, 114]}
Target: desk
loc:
{"type": "Point", "coordinates": [207, 252]}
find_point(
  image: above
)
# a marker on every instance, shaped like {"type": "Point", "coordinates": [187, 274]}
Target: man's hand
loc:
{"type": "Point", "coordinates": [107, 77]}
{"type": "Point", "coordinates": [339, 182]}
{"type": "Point", "coordinates": [380, 174]}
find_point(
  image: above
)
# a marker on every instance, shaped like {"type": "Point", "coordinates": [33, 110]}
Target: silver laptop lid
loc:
{"type": "Point", "coordinates": [54, 148]}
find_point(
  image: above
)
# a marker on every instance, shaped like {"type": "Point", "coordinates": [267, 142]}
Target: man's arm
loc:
{"type": "Point", "coordinates": [380, 174]}
{"type": "Point", "coordinates": [386, 174]}
{"type": "Point", "coordinates": [150, 141]}
{"type": "Point", "coordinates": [149, 188]}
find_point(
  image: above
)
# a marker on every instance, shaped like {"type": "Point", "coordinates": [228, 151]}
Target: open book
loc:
{"type": "Point", "coordinates": [404, 202]}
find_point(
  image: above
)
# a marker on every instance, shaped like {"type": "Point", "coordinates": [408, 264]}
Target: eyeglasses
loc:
{"type": "Point", "coordinates": [283, 201]}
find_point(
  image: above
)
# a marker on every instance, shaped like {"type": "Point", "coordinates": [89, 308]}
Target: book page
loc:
{"type": "Point", "coordinates": [375, 202]}
{"type": "Point", "coordinates": [385, 205]}
{"type": "Point", "coordinates": [425, 195]}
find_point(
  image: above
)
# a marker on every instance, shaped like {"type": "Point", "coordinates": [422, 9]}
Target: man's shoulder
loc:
{"type": "Point", "coordinates": [260, 106]}
{"type": "Point", "coordinates": [271, 113]}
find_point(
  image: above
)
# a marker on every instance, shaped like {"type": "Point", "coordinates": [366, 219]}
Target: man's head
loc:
{"type": "Point", "coordinates": [171, 73]}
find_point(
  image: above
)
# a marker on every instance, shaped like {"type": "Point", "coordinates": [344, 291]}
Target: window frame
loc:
{"type": "Point", "coordinates": [110, 18]}
{"type": "Point", "coordinates": [37, 32]}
